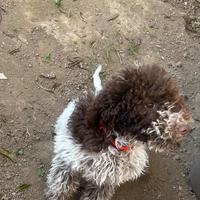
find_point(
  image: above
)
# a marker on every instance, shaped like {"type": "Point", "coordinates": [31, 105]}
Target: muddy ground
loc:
{"type": "Point", "coordinates": [38, 39]}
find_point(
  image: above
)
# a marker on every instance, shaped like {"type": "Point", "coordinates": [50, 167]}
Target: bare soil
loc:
{"type": "Point", "coordinates": [49, 53]}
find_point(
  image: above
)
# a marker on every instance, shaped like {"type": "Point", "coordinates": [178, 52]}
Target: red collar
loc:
{"type": "Point", "coordinates": [103, 130]}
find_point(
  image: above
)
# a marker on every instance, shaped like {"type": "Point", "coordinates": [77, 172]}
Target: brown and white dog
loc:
{"type": "Point", "coordinates": [103, 138]}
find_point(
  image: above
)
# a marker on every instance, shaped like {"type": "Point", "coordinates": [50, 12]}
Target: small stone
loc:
{"type": "Point", "coordinates": [158, 46]}
{"type": "Point", "coordinates": [29, 65]}
{"type": "Point", "coordinates": [14, 193]}
{"type": "Point", "coordinates": [184, 150]}
{"type": "Point", "coordinates": [41, 165]}
{"type": "Point", "coordinates": [8, 176]}
{"type": "Point", "coordinates": [170, 64]}
{"type": "Point", "coordinates": [183, 175]}
{"type": "Point", "coordinates": [185, 55]}
{"type": "Point", "coordinates": [19, 152]}
{"type": "Point", "coordinates": [177, 157]}
{"type": "Point", "coordinates": [179, 64]}
{"type": "Point", "coordinates": [180, 188]}
{"type": "Point", "coordinates": [37, 138]}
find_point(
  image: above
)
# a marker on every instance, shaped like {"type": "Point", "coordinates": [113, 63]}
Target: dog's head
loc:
{"type": "Point", "coordinates": [144, 104]}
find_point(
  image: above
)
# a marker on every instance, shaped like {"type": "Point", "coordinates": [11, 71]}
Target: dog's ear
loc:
{"type": "Point", "coordinates": [91, 117]}
{"type": "Point", "coordinates": [111, 104]}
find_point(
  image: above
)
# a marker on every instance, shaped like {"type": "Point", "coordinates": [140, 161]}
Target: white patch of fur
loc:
{"type": "Point", "coordinates": [168, 120]}
{"type": "Point", "coordinates": [165, 117]}
{"type": "Point", "coordinates": [97, 80]}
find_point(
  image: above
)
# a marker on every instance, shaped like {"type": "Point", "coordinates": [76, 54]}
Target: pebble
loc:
{"type": "Point", "coordinates": [183, 150]}
{"type": "Point", "coordinates": [183, 175]}
{"type": "Point", "coordinates": [14, 193]}
{"type": "Point", "coordinates": [185, 55]}
{"type": "Point", "coordinates": [8, 176]}
{"type": "Point", "coordinates": [177, 157]}
{"type": "Point", "coordinates": [179, 64]}
{"type": "Point", "coordinates": [20, 152]}
{"type": "Point", "coordinates": [37, 138]}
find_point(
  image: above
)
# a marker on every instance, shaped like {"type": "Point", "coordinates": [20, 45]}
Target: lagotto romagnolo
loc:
{"type": "Point", "coordinates": [101, 139]}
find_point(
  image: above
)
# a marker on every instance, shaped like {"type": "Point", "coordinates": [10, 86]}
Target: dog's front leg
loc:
{"type": "Point", "coordinates": [62, 182]}
{"type": "Point", "coordinates": [94, 192]}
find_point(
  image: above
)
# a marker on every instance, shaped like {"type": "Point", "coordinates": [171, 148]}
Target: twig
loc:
{"type": "Point", "coordinates": [75, 61]}
{"type": "Point", "coordinates": [48, 76]}
{"type": "Point", "coordinates": [44, 88]}
{"type": "Point", "coordinates": [0, 17]}
{"type": "Point", "coordinates": [72, 64]}
{"type": "Point", "coordinates": [83, 19]}
{"type": "Point", "coordinates": [8, 34]}
{"type": "Point", "coordinates": [1, 14]}
{"type": "Point", "coordinates": [62, 11]}
{"type": "Point", "coordinates": [81, 67]}
{"type": "Point", "coordinates": [119, 56]}
{"type": "Point", "coordinates": [3, 9]}
{"type": "Point", "coordinates": [92, 43]}
{"type": "Point", "coordinates": [12, 52]}
{"type": "Point", "coordinates": [69, 14]}
{"type": "Point", "coordinates": [113, 17]}
{"type": "Point", "coordinates": [34, 117]}
{"type": "Point", "coordinates": [27, 131]}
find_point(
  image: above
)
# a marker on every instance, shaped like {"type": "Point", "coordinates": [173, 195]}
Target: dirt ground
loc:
{"type": "Point", "coordinates": [49, 54]}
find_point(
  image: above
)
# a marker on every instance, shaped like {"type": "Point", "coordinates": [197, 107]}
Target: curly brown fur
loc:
{"type": "Point", "coordinates": [129, 103]}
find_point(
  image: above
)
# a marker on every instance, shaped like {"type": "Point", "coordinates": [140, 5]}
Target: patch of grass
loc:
{"type": "Point", "coordinates": [22, 187]}
{"type": "Point", "coordinates": [19, 152]}
{"type": "Point", "coordinates": [57, 2]}
{"type": "Point", "coordinates": [108, 53]}
{"type": "Point", "coordinates": [47, 57]}
{"type": "Point", "coordinates": [40, 171]}
{"type": "Point", "coordinates": [149, 31]}
{"type": "Point", "coordinates": [92, 60]}
{"type": "Point", "coordinates": [133, 47]}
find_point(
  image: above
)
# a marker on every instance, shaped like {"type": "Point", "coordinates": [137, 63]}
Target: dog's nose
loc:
{"type": "Point", "coordinates": [183, 129]}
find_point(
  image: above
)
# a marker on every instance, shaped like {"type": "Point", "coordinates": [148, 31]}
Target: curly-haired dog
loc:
{"type": "Point", "coordinates": [102, 138]}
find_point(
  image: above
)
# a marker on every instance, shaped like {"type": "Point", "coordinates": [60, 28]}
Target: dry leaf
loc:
{"type": "Point", "coordinates": [6, 153]}
{"type": "Point", "coordinates": [22, 187]}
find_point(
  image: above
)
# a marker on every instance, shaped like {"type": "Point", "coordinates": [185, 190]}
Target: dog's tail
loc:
{"type": "Point", "coordinates": [97, 80]}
